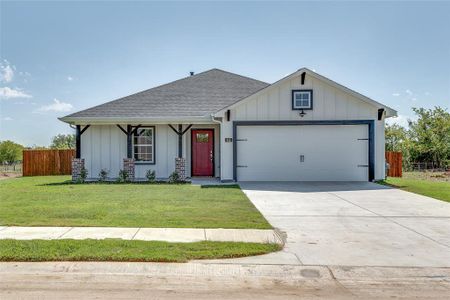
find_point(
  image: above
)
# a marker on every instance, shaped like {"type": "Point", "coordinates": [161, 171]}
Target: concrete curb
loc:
{"type": "Point", "coordinates": [168, 269]}
{"type": "Point", "coordinates": [123, 280]}
{"type": "Point", "coordinates": [309, 272]}
{"type": "Point", "coordinates": [281, 235]}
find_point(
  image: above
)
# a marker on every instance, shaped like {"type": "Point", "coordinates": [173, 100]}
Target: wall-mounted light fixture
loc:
{"type": "Point", "coordinates": [302, 113]}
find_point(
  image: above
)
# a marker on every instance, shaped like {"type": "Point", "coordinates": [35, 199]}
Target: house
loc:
{"type": "Point", "coordinates": [304, 127]}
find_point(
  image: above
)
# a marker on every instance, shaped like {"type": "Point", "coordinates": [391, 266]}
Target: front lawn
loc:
{"type": "Point", "coordinates": [52, 201]}
{"type": "Point", "coordinates": [439, 189]}
{"type": "Point", "coordinates": [120, 250]}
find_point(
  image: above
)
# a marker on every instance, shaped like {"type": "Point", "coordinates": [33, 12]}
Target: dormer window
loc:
{"type": "Point", "coordinates": [302, 99]}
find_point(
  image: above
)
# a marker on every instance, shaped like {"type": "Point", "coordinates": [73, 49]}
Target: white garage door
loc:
{"type": "Point", "coordinates": [302, 153]}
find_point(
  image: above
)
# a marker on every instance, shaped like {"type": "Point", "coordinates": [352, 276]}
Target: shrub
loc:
{"type": "Point", "coordinates": [174, 177]}
{"type": "Point", "coordinates": [123, 176]}
{"type": "Point", "coordinates": [151, 175]}
{"type": "Point", "coordinates": [83, 176]}
{"type": "Point", "coordinates": [102, 175]}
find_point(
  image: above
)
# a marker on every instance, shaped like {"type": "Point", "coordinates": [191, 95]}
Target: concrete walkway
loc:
{"type": "Point", "coordinates": [183, 235]}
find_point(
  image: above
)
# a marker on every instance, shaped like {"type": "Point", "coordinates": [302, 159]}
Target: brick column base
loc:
{"type": "Point", "coordinates": [128, 165]}
{"type": "Point", "coordinates": [180, 167]}
{"type": "Point", "coordinates": [77, 166]}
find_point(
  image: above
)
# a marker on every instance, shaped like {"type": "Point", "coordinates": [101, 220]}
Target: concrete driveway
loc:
{"type": "Point", "coordinates": [353, 224]}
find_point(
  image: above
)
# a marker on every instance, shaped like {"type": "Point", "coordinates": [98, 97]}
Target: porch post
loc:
{"type": "Point", "coordinates": [180, 132]}
{"type": "Point", "coordinates": [129, 146]}
{"type": "Point", "coordinates": [78, 141]}
{"type": "Point", "coordinates": [180, 141]}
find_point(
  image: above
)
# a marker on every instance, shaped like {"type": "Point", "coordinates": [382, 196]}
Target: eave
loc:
{"type": "Point", "coordinates": [137, 120]}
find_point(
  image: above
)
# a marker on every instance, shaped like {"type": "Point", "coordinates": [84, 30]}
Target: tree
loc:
{"type": "Point", "coordinates": [430, 136]}
{"type": "Point", "coordinates": [395, 136]}
{"type": "Point", "coordinates": [63, 141]}
{"type": "Point", "coordinates": [10, 152]}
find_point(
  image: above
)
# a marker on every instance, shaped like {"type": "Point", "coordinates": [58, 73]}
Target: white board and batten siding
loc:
{"type": "Point", "coordinates": [105, 147]}
{"type": "Point", "coordinates": [329, 103]}
{"type": "Point", "coordinates": [166, 149]}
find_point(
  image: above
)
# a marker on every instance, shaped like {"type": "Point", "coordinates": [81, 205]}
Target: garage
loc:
{"type": "Point", "coordinates": [302, 152]}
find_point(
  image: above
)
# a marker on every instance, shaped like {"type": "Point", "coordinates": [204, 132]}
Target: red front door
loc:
{"type": "Point", "coordinates": [202, 152]}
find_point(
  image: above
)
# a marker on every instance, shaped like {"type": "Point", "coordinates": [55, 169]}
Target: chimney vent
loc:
{"type": "Point", "coordinates": [192, 73]}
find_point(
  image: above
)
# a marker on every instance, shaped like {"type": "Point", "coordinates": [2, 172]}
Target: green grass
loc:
{"type": "Point", "coordinates": [51, 201]}
{"type": "Point", "coordinates": [120, 250]}
{"type": "Point", "coordinates": [435, 189]}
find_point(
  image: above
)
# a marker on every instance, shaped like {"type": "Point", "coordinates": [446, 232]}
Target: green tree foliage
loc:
{"type": "Point", "coordinates": [395, 137]}
{"type": "Point", "coordinates": [426, 140]}
{"type": "Point", "coordinates": [430, 135]}
{"type": "Point", "coordinates": [63, 141]}
{"type": "Point", "coordinates": [10, 152]}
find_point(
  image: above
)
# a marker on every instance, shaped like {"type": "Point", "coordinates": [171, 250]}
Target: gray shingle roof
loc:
{"type": "Point", "coordinates": [198, 95]}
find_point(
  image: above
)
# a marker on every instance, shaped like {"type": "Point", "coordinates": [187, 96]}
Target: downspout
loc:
{"type": "Point", "coordinates": [220, 143]}
{"type": "Point", "coordinates": [214, 120]}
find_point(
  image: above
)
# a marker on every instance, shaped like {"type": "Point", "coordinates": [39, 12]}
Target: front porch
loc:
{"type": "Point", "coordinates": [189, 149]}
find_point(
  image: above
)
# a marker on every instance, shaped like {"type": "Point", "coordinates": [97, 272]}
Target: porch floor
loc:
{"type": "Point", "coordinates": [208, 181]}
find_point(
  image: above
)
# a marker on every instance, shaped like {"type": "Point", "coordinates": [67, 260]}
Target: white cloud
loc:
{"type": "Point", "coordinates": [7, 119]}
{"type": "Point", "coordinates": [70, 78]}
{"type": "Point", "coordinates": [7, 93]}
{"type": "Point", "coordinates": [7, 71]}
{"type": "Point", "coordinates": [401, 120]}
{"type": "Point", "coordinates": [395, 94]}
{"type": "Point", "coordinates": [409, 92]}
{"type": "Point", "coordinates": [57, 106]}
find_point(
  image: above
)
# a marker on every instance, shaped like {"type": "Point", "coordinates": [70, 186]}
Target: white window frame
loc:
{"type": "Point", "coordinates": [302, 92]}
{"type": "Point", "coordinates": [151, 145]}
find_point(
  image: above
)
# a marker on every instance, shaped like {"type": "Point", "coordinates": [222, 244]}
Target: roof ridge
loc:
{"type": "Point", "coordinates": [242, 76]}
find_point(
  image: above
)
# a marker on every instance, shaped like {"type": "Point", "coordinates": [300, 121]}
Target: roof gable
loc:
{"type": "Point", "coordinates": [389, 111]}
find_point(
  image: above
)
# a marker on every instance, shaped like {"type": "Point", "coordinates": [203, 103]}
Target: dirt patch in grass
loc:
{"type": "Point", "coordinates": [426, 175]}
{"type": "Point", "coordinates": [9, 175]}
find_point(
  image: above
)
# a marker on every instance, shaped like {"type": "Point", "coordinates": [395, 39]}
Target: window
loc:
{"type": "Point", "coordinates": [202, 137]}
{"type": "Point", "coordinates": [144, 145]}
{"type": "Point", "coordinates": [302, 99]}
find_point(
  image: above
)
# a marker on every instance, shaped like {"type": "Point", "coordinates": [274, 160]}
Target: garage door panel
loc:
{"type": "Point", "coordinates": [331, 153]}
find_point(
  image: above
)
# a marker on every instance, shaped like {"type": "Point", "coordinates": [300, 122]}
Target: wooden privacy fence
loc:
{"type": "Point", "coordinates": [47, 162]}
{"type": "Point", "coordinates": [394, 159]}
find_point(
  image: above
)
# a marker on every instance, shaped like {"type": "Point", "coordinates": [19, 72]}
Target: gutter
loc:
{"type": "Point", "coordinates": [139, 120]}
{"type": "Point", "coordinates": [213, 118]}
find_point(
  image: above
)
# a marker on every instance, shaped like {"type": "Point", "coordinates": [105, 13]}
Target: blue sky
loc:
{"type": "Point", "coordinates": [58, 58]}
